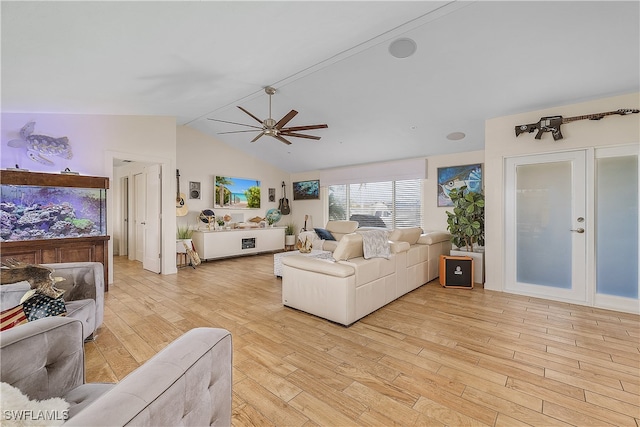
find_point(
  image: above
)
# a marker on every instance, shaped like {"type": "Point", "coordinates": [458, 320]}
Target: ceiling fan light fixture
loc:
{"type": "Point", "coordinates": [403, 48]}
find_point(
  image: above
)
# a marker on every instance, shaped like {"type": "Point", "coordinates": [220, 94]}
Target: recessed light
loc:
{"type": "Point", "coordinates": [455, 136]}
{"type": "Point", "coordinates": [403, 48]}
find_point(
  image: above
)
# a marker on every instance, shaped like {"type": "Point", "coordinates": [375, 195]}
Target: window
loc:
{"type": "Point", "coordinates": [386, 204]}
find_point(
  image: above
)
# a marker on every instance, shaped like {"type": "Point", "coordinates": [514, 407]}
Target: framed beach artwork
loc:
{"type": "Point", "coordinates": [451, 177]}
{"type": "Point", "coordinates": [237, 193]}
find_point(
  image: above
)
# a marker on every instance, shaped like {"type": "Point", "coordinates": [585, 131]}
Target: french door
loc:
{"type": "Point", "coordinates": [571, 226]}
{"type": "Point", "coordinates": [547, 226]}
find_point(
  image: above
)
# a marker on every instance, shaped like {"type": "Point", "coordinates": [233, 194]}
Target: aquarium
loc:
{"type": "Point", "coordinates": [29, 212]}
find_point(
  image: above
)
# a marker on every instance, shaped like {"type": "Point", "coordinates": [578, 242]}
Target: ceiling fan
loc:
{"type": "Point", "coordinates": [272, 128]}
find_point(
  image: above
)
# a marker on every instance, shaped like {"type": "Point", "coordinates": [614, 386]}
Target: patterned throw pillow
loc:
{"type": "Point", "coordinates": [36, 306]}
{"type": "Point", "coordinates": [39, 305]}
{"type": "Point", "coordinates": [12, 317]}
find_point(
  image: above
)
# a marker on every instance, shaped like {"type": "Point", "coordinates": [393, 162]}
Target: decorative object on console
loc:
{"type": "Point", "coordinates": [306, 190]}
{"type": "Point", "coordinates": [273, 215]}
{"type": "Point", "coordinates": [208, 217]}
{"type": "Point", "coordinates": [272, 128]}
{"type": "Point", "coordinates": [39, 147]}
{"type": "Point", "coordinates": [452, 177]}
{"type": "Point", "coordinates": [552, 123]}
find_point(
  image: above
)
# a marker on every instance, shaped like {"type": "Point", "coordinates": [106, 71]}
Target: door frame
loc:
{"type": "Point", "coordinates": [168, 183]}
{"type": "Point", "coordinates": [579, 291]}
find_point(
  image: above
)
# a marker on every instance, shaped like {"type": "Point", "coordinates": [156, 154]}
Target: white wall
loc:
{"type": "Point", "coordinates": [501, 142]}
{"type": "Point", "coordinates": [435, 218]}
{"type": "Point", "coordinates": [200, 158]}
{"type": "Point", "coordinates": [96, 140]}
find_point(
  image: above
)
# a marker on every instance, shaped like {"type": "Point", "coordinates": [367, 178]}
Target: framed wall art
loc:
{"type": "Point", "coordinates": [451, 177]}
{"type": "Point", "coordinates": [237, 193]}
{"type": "Point", "coordinates": [306, 190]}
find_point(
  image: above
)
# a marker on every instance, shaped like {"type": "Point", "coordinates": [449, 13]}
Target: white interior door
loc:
{"type": "Point", "coordinates": [546, 226]}
{"type": "Point", "coordinates": [152, 228]}
{"type": "Point", "coordinates": [139, 213]}
{"type": "Point", "coordinates": [124, 226]}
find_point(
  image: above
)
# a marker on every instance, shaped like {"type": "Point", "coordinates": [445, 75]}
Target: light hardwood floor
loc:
{"type": "Point", "coordinates": [433, 357]}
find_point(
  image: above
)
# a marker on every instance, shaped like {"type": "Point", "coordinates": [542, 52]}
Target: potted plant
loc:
{"type": "Point", "coordinates": [183, 236]}
{"type": "Point", "coordinates": [290, 234]}
{"type": "Point", "coordinates": [466, 225]}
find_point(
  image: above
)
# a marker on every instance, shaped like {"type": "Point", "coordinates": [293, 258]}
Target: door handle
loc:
{"type": "Point", "coordinates": [144, 223]}
{"type": "Point", "coordinates": [578, 230]}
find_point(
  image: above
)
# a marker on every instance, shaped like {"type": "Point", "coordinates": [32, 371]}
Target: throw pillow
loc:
{"type": "Point", "coordinates": [324, 234]}
{"type": "Point", "coordinates": [12, 317]}
{"type": "Point", "coordinates": [18, 410]}
{"type": "Point", "coordinates": [11, 293]}
{"type": "Point", "coordinates": [39, 305]}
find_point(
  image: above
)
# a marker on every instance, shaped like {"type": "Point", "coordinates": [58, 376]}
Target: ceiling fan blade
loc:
{"type": "Point", "coordinates": [257, 137]}
{"type": "Point", "coordinates": [286, 119]}
{"type": "Point", "coordinates": [279, 138]}
{"type": "Point", "coordinates": [299, 135]}
{"type": "Point", "coordinates": [310, 127]}
{"type": "Point", "coordinates": [254, 117]}
{"type": "Point", "coordinates": [234, 123]}
{"type": "Point", "coordinates": [239, 131]}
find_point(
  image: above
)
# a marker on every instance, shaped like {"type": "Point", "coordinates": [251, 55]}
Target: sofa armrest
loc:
{"type": "Point", "coordinates": [186, 383]}
{"type": "Point", "coordinates": [327, 267]}
{"type": "Point", "coordinates": [43, 358]}
{"type": "Point", "coordinates": [433, 237]}
{"type": "Point", "coordinates": [83, 280]}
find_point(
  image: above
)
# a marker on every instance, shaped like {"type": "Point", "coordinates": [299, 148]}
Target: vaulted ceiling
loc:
{"type": "Point", "coordinates": [330, 61]}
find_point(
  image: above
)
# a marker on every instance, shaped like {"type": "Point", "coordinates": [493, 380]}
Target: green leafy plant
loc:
{"type": "Point", "coordinates": [466, 222]}
{"type": "Point", "coordinates": [184, 232]}
{"type": "Point", "coordinates": [290, 229]}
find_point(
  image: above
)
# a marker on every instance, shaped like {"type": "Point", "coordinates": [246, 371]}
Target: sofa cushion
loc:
{"type": "Point", "coordinates": [324, 234]}
{"type": "Point", "coordinates": [341, 227]}
{"type": "Point", "coordinates": [350, 246]}
{"type": "Point", "coordinates": [409, 235]}
{"type": "Point", "coordinates": [11, 293]}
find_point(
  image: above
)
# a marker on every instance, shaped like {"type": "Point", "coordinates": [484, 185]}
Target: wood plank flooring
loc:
{"type": "Point", "coordinates": [434, 357]}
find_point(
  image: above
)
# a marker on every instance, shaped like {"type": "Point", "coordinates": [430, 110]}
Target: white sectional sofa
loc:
{"type": "Point", "coordinates": [349, 287]}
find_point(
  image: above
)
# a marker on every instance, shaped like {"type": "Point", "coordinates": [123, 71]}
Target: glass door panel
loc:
{"type": "Point", "coordinates": [545, 225]}
{"type": "Point", "coordinates": [617, 226]}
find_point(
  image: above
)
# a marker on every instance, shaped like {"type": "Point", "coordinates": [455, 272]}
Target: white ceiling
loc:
{"type": "Point", "coordinates": [327, 60]}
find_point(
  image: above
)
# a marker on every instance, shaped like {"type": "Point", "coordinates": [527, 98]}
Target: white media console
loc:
{"type": "Point", "coordinates": [242, 241]}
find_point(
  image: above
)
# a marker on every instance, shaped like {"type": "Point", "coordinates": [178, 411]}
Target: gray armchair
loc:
{"type": "Point", "coordinates": [84, 293]}
{"type": "Point", "coordinates": [188, 383]}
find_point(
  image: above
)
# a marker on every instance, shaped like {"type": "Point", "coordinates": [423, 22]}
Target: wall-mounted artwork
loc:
{"type": "Point", "coordinates": [455, 177]}
{"type": "Point", "coordinates": [306, 190]}
{"type": "Point", "coordinates": [237, 193]}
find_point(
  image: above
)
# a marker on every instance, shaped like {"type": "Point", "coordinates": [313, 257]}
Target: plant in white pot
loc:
{"type": "Point", "coordinates": [466, 225]}
{"type": "Point", "coordinates": [290, 234]}
{"type": "Point", "coordinates": [183, 236]}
